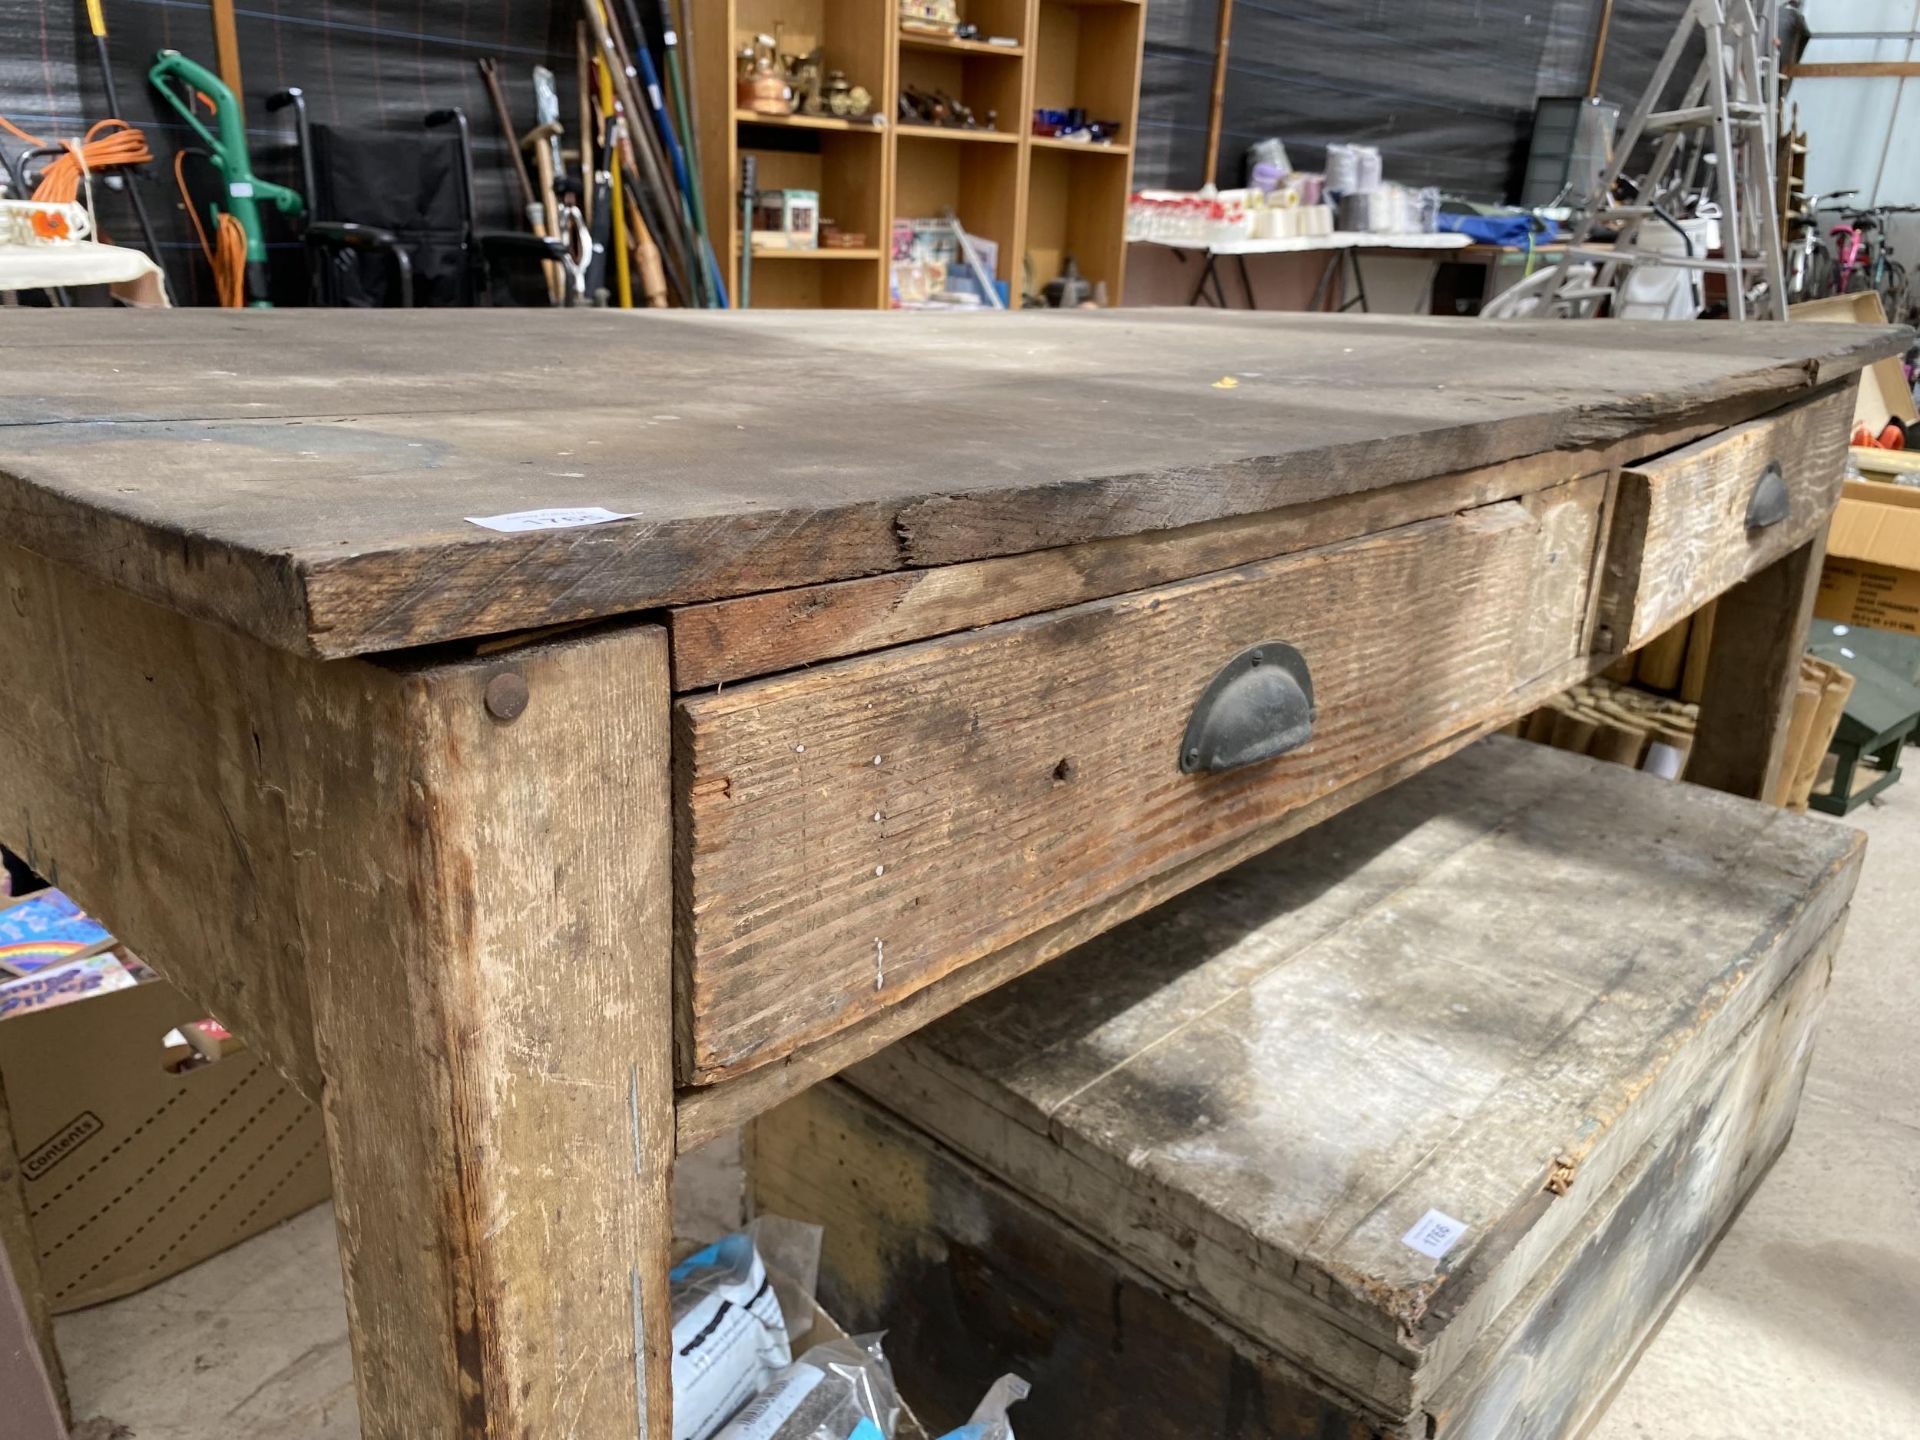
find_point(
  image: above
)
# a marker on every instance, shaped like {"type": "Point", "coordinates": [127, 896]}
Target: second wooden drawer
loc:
{"type": "Point", "coordinates": [1692, 523]}
{"type": "Point", "coordinates": [848, 834]}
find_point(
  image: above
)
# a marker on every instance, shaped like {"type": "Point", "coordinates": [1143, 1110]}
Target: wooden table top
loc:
{"type": "Point", "coordinates": [307, 477]}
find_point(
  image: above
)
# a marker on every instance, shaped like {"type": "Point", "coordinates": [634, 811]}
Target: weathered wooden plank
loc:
{"type": "Point", "coordinates": [1680, 533]}
{"type": "Point", "coordinates": [491, 999]}
{"type": "Point", "coordinates": [894, 818]}
{"type": "Point", "coordinates": [1257, 1091]}
{"type": "Point", "coordinates": [728, 640]}
{"type": "Point", "coordinates": [973, 1278]}
{"type": "Point", "coordinates": [306, 477]}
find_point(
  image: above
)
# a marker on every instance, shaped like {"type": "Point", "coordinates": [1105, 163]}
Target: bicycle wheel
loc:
{"type": "Point", "coordinates": [1893, 291]}
{"type": "Point", "coordinates": [1819, 280]}
{"type": "Point", "coordinates": [1859, 281]}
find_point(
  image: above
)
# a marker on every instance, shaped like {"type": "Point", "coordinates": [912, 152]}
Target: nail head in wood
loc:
{"type": "Point", "coordinates": [507, 695]}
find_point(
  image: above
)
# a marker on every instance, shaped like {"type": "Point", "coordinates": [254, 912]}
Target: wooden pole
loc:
{"type": "Point", "coordinates": [1218, 105]}
{"type": "Point", "coordinates": [226, 51]}
{"type": "Point", "coordinates": [1599, 48]}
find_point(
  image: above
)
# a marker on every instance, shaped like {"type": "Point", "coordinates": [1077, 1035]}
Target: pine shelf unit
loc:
{"type": "Point", "coordinates": [1036, 198]}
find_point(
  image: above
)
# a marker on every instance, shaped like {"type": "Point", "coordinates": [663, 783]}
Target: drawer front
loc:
{"type": "Point", "coordinates": [847, 835]}
{"type": "Point", "coordinates": [1691, 524]}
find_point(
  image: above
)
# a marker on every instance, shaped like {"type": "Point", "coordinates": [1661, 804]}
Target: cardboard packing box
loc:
{"type": "Point", "coordinates": [1872, 574]}
{"type": "Point", "coordinates": [147, 1140]}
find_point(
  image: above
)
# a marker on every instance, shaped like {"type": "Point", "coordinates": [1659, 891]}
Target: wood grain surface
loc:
{"type": "Point", "coordinates": [305, 477]}
{"type": "Point", "coordinates": [1481, 993]}
{"type": "Point", "coordinates": [1680, 533]}
{"type": "Point", "coordinates": [145, 760]}
{"type": "Point", "coordinates": [705, 1111]}
{"type": "Point", "coordinates": [850, 833]}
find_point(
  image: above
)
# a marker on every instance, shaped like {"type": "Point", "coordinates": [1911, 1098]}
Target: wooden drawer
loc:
{"type": "Point", "coordinates": [1691, 524]}
{"type": "Point", "coordinates": [848, 834]}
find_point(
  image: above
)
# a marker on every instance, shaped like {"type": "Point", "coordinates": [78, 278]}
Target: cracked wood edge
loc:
{"type": "Point", "coordinates": [722, 641]}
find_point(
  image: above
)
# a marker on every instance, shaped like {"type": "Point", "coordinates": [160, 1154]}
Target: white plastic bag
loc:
{"type": "Point", "coordinates": [990, 1420]}
{"type": "Point", "coordinates": [729, 1338]}
{"type": "Point", "coordinates": [838, 1390]}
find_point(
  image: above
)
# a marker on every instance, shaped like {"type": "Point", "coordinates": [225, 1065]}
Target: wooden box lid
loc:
{"type": "Point", "coordinates": [1351, 1095]}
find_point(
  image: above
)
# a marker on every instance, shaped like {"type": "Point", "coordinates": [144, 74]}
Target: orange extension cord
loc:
{"type": "Point", "coordinates": [227, 255]}
{"type": "Point", "coordinates": [108, 142]}
{"type": "Point", "coordinates": [114, 142]}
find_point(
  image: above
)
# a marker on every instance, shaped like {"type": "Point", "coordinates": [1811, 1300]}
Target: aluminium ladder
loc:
{"type": "Point", "coordinates": [1730, 105]}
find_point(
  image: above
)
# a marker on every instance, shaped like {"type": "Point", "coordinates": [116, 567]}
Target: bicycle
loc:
{"type": "Point", "coordinates": [1809, 263]}
{"type": "Point", "coordinates": [1864, 258]}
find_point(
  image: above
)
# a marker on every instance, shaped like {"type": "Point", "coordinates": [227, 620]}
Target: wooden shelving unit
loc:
{"type": "Point", "coordinates": [1036, 198]}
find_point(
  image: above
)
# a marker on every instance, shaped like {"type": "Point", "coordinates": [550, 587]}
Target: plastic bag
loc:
{"type": "Point", "coordinates": [990, 1420]}
{"type": "Point", "coordinates": [729, 1337]}
{"type": "Point", "coordinates": [838, 1390]}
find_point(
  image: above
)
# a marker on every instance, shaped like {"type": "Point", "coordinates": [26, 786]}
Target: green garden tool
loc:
{"type": "Point", "coordinates": [180, 80]}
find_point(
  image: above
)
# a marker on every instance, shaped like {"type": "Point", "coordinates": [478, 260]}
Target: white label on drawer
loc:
{"type": "Point", "coordinates": [547, 519]}
{"type": "Point", "coordinates": [1434, 1235]}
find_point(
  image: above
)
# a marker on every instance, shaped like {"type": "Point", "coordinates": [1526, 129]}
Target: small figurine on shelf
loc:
{"type": "Point", "coordinates": [762, 87]}
{"type": "Point", "coordinates": [807, 75]}
{"type": "Point", "coordinates": [849, 102]}
{"type": "Point", "coordinates": [939, 109]}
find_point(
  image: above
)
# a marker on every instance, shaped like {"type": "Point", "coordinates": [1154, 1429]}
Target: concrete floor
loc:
{"type": "Point", "coordinates": [1804, 1324]}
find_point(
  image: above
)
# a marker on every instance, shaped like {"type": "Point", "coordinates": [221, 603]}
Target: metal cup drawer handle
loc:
{"type": "Point", "coordinates": [1258, 706]}
{"type": "Point", "coordinates": [1770, 503]}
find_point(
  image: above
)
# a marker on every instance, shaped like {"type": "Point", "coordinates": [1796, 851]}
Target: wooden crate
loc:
{"type": "Point", "coordinates": [1413, 1127]}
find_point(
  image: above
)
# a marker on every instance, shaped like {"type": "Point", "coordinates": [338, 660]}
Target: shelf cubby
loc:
{"type": "Point", "coordinates": [1037, 198]}
{"type": "Point", "coordinates": [980, 183]}
{"type": "Point", "coordinates": [1077, 205]}
{"type": "Point", "coordinates": [1086, 56]}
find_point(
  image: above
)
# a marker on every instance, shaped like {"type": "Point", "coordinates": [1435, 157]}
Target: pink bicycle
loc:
{"type": "Point", "coordinates": [1863, 260]}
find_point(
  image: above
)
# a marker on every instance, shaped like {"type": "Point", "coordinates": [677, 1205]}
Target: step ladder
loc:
{"type": "Point", "coordinates": [1725, 120]}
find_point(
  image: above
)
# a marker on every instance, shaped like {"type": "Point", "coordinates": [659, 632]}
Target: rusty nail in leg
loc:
{"type": "Point", "coordinates": [507, 695]}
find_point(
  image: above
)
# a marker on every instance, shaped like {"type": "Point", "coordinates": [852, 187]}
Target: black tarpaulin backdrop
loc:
{"type": "Point", "coordinates": [1445, 91]}
{"type": "Point", "coordinates": [360, 62]}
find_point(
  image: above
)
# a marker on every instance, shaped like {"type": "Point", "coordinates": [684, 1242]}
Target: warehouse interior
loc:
{"type": "Point", "coordinates": [945, 719]}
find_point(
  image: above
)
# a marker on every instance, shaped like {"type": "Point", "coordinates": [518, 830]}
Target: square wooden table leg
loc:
{"type": "Point", "coordinates": [436, 893]}
{"type": "Point", "coordinates": [1759, 634]}
{"type": "Point", "coordinates": [487, 911]}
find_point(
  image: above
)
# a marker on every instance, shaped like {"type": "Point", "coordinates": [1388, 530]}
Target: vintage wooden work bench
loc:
{"type": "Point", "coordinates": [925, 651]}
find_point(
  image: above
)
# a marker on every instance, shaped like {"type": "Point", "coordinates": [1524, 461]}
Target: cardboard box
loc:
{"type": "Point", "coordinates": [1872, 574]}
{"type": "Point", "coordinates": [140, 1154]}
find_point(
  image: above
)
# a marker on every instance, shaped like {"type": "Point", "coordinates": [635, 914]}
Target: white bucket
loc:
{"type": "Point", "coordinates": [1666, 292]}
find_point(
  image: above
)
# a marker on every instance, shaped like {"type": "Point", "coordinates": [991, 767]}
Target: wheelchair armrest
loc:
{"type": "Point", "coordinates": [345, 235]}
{"type": "Point", "coordinates": [518, 245]}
